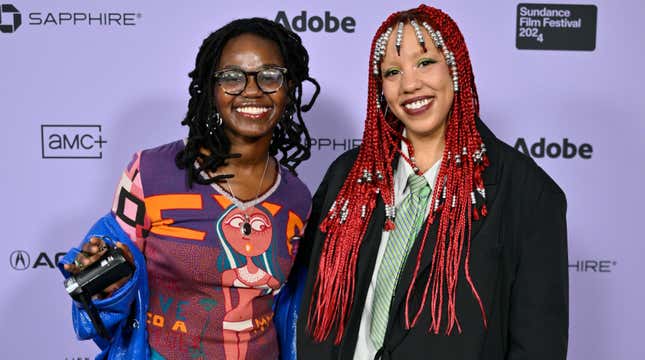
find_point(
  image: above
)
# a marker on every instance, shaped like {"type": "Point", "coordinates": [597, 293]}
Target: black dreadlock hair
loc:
{"type": "Point", "coordinates": [290, 137]}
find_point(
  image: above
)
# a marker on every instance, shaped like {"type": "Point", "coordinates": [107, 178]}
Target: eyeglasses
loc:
{"type": "Point", "coordinates": [234, 81]}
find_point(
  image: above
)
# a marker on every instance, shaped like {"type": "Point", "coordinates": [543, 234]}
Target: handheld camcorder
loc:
{"type": "Point", "coordinates": [110, 268]}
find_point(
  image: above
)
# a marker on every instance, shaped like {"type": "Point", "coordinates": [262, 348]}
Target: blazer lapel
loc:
{"type": "Point", "coordinates": [364, 270]}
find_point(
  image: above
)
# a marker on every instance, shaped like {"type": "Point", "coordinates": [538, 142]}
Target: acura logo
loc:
{"type": "Point", "coordinates": [19, 260]}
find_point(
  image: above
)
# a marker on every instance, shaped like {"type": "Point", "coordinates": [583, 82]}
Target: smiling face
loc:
{"type": "Point", "coordinates": [417, 85]}
{"type": "Point", "coordinates": [252, 114]}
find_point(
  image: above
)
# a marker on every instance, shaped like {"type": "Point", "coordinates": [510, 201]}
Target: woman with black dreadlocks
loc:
{"type": "Point", "coordinates": [434, 240]}
{"type": "Point", "coordinates": [211, 222]}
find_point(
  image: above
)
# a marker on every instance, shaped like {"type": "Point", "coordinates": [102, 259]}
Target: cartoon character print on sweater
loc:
{"type": "Point", "coordinates": [246, 236]}
{"type": "Point", "coordinates": [209, 297]}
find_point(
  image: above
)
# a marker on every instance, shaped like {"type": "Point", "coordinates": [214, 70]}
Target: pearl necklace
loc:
{"type": "Point", "coordinates": [249, 278]}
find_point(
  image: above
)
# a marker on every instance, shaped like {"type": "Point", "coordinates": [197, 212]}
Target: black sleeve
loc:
{"type": "Point", "coordinates": [539, 314]}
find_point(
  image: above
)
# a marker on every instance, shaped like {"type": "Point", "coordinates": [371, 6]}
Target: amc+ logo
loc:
{"type": "Point", "coordinates": [10, 18]}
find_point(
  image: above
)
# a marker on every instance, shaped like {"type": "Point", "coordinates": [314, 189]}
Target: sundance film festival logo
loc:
{"type": "Point", "coordinates": [10, 18]}
{"type": "Point", "coordinates": [72, 141]}
{"type": "Point", "coordinates": [556, 27]}
{"type": "Point", "coordinates": [20, 260]}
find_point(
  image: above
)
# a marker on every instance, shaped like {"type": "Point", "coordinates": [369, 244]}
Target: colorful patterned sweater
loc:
{"type": "Point", "coordinates": [214, 263]}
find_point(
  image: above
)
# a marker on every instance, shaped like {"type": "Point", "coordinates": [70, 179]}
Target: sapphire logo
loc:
{"type": "Point", "coordinates": [10, 18]}
{"type": "Point", "coordinates": [72, 141]}
{"type": "Point", "coordinates": [334, 144]}
{"type": "Point", "coordinates": [593, 266]}
{"type": "Point", "coordinates": [19, 260]}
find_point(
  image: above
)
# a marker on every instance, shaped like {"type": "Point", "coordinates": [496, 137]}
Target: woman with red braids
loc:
{"type": "Point", "coordinates": [433, 240]}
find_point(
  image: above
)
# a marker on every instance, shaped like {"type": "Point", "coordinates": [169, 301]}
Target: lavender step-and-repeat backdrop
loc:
{"type": "Point", "coordinates": [84, 84]}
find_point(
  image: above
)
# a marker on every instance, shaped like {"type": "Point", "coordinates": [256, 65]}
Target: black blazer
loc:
{"type": "Point", "coordinates": [518, 264]}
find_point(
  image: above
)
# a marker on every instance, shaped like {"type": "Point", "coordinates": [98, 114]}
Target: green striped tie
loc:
{"type": "Point", "coordinates": [408, 223]}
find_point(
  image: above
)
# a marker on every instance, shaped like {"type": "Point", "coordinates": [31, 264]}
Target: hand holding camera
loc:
{"type": "Point", "coordinates": [97, 272]}
{"type": "Point", "coordinates": [91, 252]}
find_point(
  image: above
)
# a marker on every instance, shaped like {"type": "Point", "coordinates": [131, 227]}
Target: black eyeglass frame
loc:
{"type": "Point", "coordinates": [219, 73]}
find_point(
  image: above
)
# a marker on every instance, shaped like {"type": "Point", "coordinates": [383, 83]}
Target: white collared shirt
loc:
{"type": "Point", "coordinates": [364, 348]}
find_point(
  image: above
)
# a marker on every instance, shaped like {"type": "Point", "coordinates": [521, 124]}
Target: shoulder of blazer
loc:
{"type": "Point", "coordinates": [509, 163]}
{"type": "Point", "coordinates": [343, 164]}
{"type": "Point", "coordinates": [336, 175]}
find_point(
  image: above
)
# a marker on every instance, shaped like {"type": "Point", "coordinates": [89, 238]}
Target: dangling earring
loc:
{"type": "Point", "coordinates": [383, 103]}
{"type": "Point", "coordinates": [288, 116]}
{"type": "Point", "coordinates": [218, 119]}
{"type": "Point", "coordinates": [213, 121]}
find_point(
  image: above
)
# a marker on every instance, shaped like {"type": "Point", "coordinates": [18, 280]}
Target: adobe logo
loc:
{"type": "Point", "coordinates": [561, 149]}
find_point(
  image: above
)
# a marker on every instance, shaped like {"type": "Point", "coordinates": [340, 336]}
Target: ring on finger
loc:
{"type": "Point", "coordinates": [78, 264]}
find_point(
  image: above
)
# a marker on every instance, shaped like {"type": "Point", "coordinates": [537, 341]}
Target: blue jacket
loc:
{"type": "Point", "coordinates": [124, 313]}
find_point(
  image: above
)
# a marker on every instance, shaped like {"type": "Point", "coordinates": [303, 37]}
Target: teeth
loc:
{"type": "Point", "coordinates": [417, 104]}
{"type": "Point", "coordinates": [255, 110]}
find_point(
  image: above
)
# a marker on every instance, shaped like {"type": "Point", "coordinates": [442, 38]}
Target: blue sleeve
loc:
{"type": "Point", "coordinates": [124, 321]}
{"type": "Point", "coordinates": [286, 307]}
